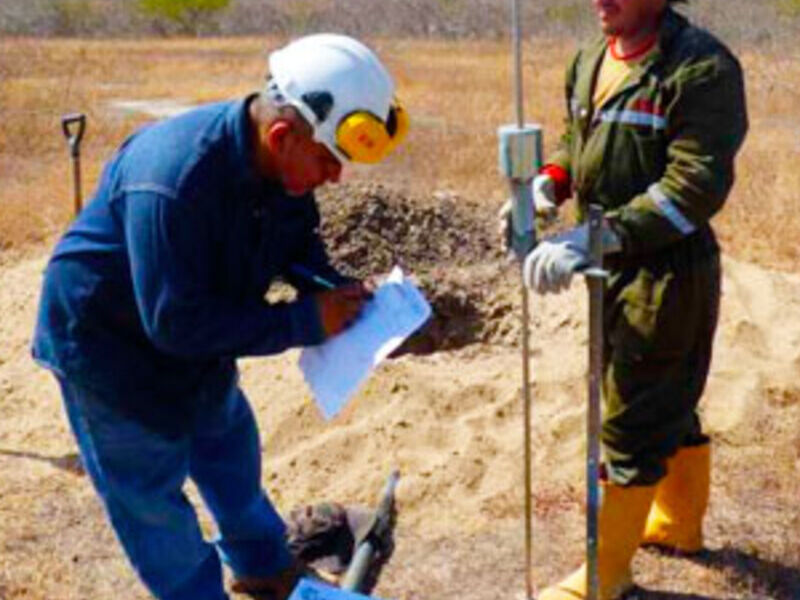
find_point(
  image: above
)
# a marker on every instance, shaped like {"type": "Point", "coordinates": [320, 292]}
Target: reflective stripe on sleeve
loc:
{"type": "Point", "coordinates": [633, 117]}
{"type": "Point", "coordinates": [669, 210]}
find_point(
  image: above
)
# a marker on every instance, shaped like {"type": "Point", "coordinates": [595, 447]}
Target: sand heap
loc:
{"type": "Point", "coordinates": [450, 421]}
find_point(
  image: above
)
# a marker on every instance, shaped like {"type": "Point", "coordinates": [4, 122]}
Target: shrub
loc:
{"type": "Point", "coordinates": [189, 16]}
{"type": "Point", "coordinates": [789, 8]}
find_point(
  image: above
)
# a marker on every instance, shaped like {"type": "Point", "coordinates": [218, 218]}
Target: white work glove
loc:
{"type": "Point", "coordinates": [544, 205]}
{"type": "Point", "coordinates": [550, 266]}
{"type": "Point", "coordinates": [544, 197]}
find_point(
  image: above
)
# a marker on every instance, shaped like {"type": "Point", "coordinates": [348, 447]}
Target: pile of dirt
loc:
{"type": "Point", "coordinates": [371, 228]}
{"type": "Point", "coordinates": [447, 244]}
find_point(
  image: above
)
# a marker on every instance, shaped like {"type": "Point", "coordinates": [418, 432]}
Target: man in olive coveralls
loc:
{"type": "Point", "coordinates": [656, 114]}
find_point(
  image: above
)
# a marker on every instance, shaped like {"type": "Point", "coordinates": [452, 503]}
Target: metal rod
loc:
{"type": "Point", "coordinates": [526, 391]}
{"type": "Point", "coordinates": [526, 395]}
{"type": "Point", "coordinates": [517, 49]}
{"type": "Point", "coordinates": [595, 280]}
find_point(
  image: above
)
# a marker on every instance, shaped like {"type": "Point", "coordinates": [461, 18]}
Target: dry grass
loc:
{"type": "Point", "coordinates": [41, 80]}
{"type": "Point", "coordinates": [457, 93]}
{"type": "Point", "coordinates": [759, 222]}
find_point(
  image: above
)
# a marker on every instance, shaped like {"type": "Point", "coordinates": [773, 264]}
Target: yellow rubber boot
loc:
{"type": "Point", "coordinates": [676, 517]}
{"type": "Point", "coordinates": [623, 512]}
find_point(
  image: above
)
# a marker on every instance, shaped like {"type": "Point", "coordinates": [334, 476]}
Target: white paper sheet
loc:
{"type": "Point", "coordinates": [335, 369]}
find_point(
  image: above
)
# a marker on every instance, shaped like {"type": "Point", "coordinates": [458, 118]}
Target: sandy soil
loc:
{"type": "Point", "coordinates": [451, 421]}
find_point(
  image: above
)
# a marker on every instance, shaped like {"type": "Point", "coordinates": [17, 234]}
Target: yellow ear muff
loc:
{"type": "Point", "coordinates": [363, 137]}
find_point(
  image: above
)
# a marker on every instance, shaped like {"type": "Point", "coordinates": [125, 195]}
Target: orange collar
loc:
{"type": "Point", "coordinates": [637, 52]}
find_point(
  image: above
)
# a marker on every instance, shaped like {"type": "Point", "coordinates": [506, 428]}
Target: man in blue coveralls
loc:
{"type": "Point", "coordinates": [159, 286]}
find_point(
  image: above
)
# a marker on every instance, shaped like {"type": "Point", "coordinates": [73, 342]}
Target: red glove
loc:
{"type": "Point", "coordinates": [561, 179]}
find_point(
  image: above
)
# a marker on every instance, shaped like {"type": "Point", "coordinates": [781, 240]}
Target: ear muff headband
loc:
{"type": "Point", "coordinates": [365, 138]}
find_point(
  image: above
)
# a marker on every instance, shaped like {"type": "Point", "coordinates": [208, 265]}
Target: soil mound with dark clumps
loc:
{"type": "Point", "coordinates": [447, 244]}
{"type": "Point", "coordinates": [369, 229]}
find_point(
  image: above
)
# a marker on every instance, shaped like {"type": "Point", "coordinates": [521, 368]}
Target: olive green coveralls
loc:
{"type": "Point", "coordinates": [658, 157]}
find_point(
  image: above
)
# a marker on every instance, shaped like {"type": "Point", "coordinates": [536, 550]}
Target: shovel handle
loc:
{"type": "Point", "coordinates": [73, 125]}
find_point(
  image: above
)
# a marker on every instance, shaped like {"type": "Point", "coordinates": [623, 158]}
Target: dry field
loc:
{"type": "Point", "coordinates": [451, 420]}
{"type": "Point", "coordinates": [457, 92]}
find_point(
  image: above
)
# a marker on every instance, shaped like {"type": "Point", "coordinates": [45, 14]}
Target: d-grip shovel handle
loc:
{"type": "Point", "coordinates": [74, 125]}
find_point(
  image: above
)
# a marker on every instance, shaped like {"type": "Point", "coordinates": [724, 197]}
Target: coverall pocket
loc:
{"type": "Point", "coordinates": [649, 321]}
{"type": "Point", "coordinates": [645, 148]}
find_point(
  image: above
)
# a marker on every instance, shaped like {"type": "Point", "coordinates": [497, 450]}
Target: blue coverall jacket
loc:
{"type": "Point", "coordinates": [158, 286]}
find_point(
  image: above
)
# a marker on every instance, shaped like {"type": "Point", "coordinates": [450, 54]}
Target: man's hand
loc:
{"type": "Point", "coordinates": [544, 197]}
{"type": "Point", "coordinates": [544, 204]}
{"type": "Point", "coordinates": [338, 308]}
{"type": "Point", "coordinates": [549, 267]}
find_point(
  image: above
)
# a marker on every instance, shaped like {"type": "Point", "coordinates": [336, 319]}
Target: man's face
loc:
{"type": "Point", "coordinates": [624, 18]}
{"type": "Point", "coordinates": [306, 165]}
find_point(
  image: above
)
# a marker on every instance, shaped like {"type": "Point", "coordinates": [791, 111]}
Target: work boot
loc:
{"type": "Point", "coordinates": [621, 519]}
{"type": "Point", "coordinates": [676, 517]}
{"type": "Point", "coordinates": [275, 587]}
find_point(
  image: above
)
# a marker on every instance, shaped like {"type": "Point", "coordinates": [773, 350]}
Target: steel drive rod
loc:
{"type": "Point", "coordinates": [595, 280]}
{"type": "Point", "coordinates": [526, 389]}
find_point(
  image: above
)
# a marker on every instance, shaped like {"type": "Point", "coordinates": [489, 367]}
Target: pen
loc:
{"type": "Point", "coordinates": [309, 275]}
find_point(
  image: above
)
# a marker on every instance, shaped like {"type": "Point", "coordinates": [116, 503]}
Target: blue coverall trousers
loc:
{"type": "Point", "coordinates": [140, 473]}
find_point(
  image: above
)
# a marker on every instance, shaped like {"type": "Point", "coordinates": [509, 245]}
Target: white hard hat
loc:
{"type": "Point", "coordinates": [344, 92]}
